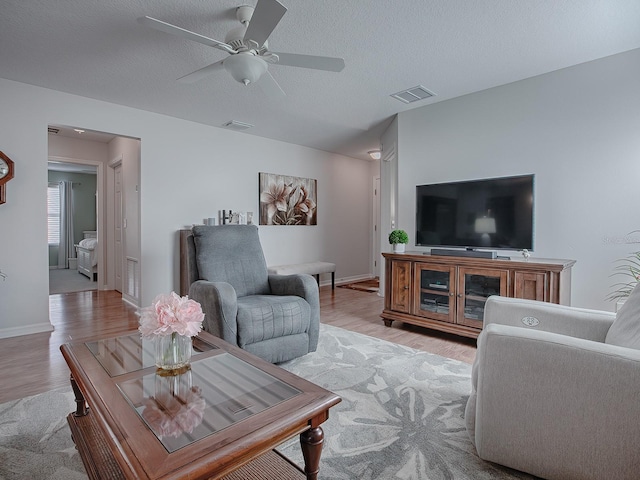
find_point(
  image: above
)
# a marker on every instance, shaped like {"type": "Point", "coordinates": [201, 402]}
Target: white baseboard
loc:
{"type": "Point", "coordinates": [28, 330]}
{"type": "Point", "coordinates": [345, 280]}
{"type": "Point", "coordinates": [126, 299]}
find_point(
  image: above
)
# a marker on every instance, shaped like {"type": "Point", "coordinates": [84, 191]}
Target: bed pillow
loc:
{"type": "Point", "coordinates": [625, 331]}
{"type": "Point", "coordinates": [88, 243]}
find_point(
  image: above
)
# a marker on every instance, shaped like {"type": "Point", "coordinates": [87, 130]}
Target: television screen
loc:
{"type": "Point", "coordinates": [489, 213]}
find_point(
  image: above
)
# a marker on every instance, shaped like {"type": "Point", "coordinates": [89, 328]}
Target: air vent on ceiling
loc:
{"type": "Point", "coordinates": [413, 94]}
{"type": "Point", "coordinates": [235, 125]}
{"type": "Point", "coordinates": [53, 131]}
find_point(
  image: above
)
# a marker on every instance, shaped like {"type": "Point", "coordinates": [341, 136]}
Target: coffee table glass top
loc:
{"type": "Point", "coordinates": [130, 353]}
{"type": "Point", "coordinates": [214, 393]}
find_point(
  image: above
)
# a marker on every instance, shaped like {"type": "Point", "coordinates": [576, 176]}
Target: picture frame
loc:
{"type": "Point", "coordinates": [287, 200]}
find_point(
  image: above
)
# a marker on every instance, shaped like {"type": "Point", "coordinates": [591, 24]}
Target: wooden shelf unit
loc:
{"type": "Point", "coordinates": [448, 293]}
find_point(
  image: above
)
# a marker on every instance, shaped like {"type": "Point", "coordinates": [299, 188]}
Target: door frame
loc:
{"type": "Point", "coordinates": [376, 250]}
{"type": "Point", "coordinates": [113, 164]}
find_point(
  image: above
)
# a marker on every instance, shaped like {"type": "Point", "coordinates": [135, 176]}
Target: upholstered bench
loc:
{"type": "Point", "coordinates": [311, 268]}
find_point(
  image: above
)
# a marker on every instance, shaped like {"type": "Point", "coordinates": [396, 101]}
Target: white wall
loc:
{"type": "Point", "coordinates": [576, 129]}
{"type": "Point", "coordinates": [188, 172]}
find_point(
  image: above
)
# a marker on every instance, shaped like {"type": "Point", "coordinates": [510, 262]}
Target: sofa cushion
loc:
{"type": "Point", "coordinates": [625, 331]}
{"type": "Point", "coordinates": [263, 317]}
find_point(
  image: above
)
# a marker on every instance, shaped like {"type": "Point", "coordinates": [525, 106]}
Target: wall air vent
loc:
{"type": "Point", "coordinates": [413, 94]}
{"type": "Point", "coordinates": [235, 125]}
{"type": "Point", "coordinates": [53, 131]}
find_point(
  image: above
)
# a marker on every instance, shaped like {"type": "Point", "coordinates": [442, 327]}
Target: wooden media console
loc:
{"type": "Point", "coordinates": [448, 293]}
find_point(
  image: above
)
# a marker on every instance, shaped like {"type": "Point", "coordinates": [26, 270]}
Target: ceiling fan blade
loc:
{"type": "Point", "coordinates": [181, 32]}
{"type": "Point", "coordinates": [203, 72]}
{"type": "Point", "coordinates": [330, 64]}
{"type": "Point", "coordinates": [270, 87]}
{"type": "Point", "coordinates": [266, 16]}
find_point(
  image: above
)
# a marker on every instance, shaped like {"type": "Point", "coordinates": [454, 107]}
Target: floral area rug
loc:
{"type": "Point", "coordinates": [401, 417]}
{"type": "Point", "coordinates": [35, 440]}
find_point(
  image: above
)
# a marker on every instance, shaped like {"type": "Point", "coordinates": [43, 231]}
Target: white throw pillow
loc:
{"type": "Point", "coordinates": [625, 331]}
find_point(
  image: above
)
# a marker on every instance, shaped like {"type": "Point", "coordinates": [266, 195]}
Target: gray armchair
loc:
{"type": "Point", "coordinates": [275, 317]}
{"type": "Point", "coordinates": [556, 390]}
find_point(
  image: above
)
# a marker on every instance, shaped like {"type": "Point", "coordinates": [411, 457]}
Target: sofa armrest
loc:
{"type": "Point", "coordinates": [571, 321]}
{"type": "Point", "coordinates": [544, 398]}
{"type": "Point", "coordinates": [301, 285]}
{"type": "Point", "coordinates": [220, 306]}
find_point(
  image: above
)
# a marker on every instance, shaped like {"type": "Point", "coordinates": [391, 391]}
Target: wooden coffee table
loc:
{"type": "Point", "coordinates": [221, 417]}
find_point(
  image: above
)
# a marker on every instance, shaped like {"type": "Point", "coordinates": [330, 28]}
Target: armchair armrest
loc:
{"type": "Point", "coordinates": [220, 306]}
{"type": "Point", "coordinates": [301, 285]}
{"type": "Point", "coordinates": [571, 321]}
{"type": "Point", "coordinates": [544, 398]}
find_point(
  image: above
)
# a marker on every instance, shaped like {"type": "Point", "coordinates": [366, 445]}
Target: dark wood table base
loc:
{"type": "Point", "coordinates": [100, 463]}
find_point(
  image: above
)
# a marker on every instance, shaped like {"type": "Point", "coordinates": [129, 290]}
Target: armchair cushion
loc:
{"type": "Point", "coordinates": [549, 317]}
{"type": "Point", "coordinates": [625, 331]}
{"type": "Point", "coordinates": [232, 255]}
{"type": "Point", "coordinates": [263, 317]}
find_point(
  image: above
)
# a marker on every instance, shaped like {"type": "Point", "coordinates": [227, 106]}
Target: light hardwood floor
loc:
{"type": "Point", "coordinates": [32, 364]}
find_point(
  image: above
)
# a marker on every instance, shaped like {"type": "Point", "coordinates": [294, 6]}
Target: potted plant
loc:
{"type": "Point", "coordinates": [629, 269]}
{"type": "Point", "coordinates": [398, 238]}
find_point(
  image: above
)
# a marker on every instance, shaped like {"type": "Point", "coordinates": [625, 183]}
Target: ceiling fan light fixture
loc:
{"type": "Point", "coordinates": [244, 13]}
{"type": "Point", "coordinates": [245, 67]}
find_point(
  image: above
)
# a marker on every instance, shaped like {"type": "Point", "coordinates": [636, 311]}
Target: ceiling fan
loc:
{"type": "Point", "coordinates": [248, 48]}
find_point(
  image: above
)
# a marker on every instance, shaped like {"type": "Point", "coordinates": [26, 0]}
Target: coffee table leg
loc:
{"type": "Point", "coordinates": [311, 442]}
{"type": "Point", "coordinates": [81, 405]}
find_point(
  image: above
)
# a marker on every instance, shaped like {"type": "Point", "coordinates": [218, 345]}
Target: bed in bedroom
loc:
{"type": "Point", "coordinates": [87, 255]}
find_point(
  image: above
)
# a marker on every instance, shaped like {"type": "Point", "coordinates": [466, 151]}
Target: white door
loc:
{"type": "Point", "coordinates": [118, 248]}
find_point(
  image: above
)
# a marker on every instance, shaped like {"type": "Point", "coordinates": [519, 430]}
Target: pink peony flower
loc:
{"type": "Point", "coordinates": [171, 314]}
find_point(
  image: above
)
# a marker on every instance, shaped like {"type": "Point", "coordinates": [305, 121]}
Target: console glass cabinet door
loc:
{"type": "Point", "coordinates": [475, 286]}
{"type": "Point", "coordinates": [435, 294]}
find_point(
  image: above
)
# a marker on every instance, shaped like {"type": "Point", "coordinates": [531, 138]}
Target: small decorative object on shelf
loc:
{"type": "Point", "coordinates": [526, 254]}
{"type": "Point", "coordinates": [398, 238]}
{"type": "Point", "coordinates": [227, 217]}
{"type": "Point", "coordinates": [171, 320]}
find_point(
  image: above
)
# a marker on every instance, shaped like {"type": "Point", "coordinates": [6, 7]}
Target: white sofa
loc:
{"type": "Point", "coordinates": [556, 390]}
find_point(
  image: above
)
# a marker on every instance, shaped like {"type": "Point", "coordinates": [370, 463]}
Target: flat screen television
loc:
{"type": "Point", "coordinates": [494, 213]}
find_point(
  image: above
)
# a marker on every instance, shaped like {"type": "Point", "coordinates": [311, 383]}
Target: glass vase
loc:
{"type": "Point", "coordinates": [173, 351]}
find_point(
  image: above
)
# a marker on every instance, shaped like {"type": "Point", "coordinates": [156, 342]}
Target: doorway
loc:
{"type": "Point", "coordinates": [116, 161]}
{"type": "Point", "coordinates": [72, 221]}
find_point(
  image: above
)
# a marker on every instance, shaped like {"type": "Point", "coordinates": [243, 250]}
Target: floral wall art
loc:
{"type": "Point", "coordinates": [286, 200]}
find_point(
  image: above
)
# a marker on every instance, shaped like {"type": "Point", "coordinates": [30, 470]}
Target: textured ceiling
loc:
{"type": "Point", "coordinates": [97, 49]}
